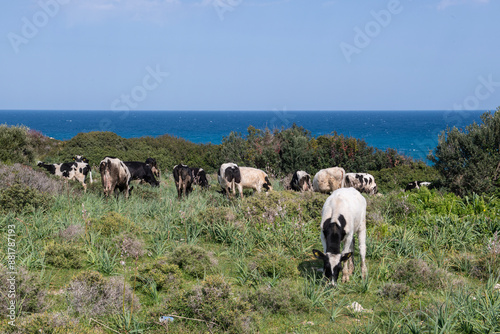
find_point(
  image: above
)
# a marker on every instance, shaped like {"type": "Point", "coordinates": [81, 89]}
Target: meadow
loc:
{"type": "Point", "coordinates": [209, 264]}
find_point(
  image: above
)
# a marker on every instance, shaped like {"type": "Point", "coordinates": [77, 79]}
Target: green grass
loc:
{"type": "Point", "coordinates": [231, 250]}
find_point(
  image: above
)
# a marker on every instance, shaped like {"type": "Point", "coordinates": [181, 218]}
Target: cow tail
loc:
{"type": "Point", "coordinates": [90, 174]}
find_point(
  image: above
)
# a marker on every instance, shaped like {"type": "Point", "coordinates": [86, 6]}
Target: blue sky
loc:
{"type": "Point", "coordinates": [250, 55]}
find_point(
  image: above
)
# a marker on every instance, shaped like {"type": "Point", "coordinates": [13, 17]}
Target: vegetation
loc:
{"type": "Point", "coordinates": [154, 264]}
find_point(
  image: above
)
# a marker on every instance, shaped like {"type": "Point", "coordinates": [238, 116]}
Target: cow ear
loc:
{"type": "Point", "coordinates": [318, 254]}
{"type": "Point", "coordinates": [346, 257]}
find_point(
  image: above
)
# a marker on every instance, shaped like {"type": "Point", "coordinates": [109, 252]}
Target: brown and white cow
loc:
{"type": "Point", "coordinates": [253, 178]}
{"type": "Point", "coordinates": [114, 175]}
{"type": "Point", "coordinates": [76, 170]}
{"type": "Point", "coordinates": [363, 182]}
{"type": "Point", "coordinates": [328, 180]}
{"type": "Point", "coordinates": [301, 181]}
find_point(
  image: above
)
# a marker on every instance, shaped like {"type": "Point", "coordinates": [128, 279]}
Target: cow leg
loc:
{"type": "Point", "coordinates": [362, 251]}
{"type": "Point", "coordinates": [346, 269]}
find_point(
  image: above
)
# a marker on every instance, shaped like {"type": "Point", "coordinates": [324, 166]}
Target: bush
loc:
{"type": "Point", "coordinates": [280, 299]}
{"type": "Point", "coordinates": [90, 294]}
{"type": "Point", "coordinates": [469, 159]}
{"type": "Point", "coordinates": [129, 245]}
{"type": "Point", "coordinates": [272, 264]}
{"type": "Point", "coordinates": [46, 323]}
{"type": "Point", "coordinates": [214, 302]}
{"type": "Point", "coordinates": [398, 177]}
{"type": "Point", "coordinates": [165, 275]}
{"type": "Point", "coordinates": [419, 274]}
{"type": "Point", "coordinates": [112, 223]}
{"type": "Point", "coordinates": [64, 255]}
{"type": "Point", "coordinates": [19, 197]}
{"type": "Point", "coordinates": [29, 293]}
{"type": "Point", "coordinates": [29, 177]}
{"type": "Point", "coordinates": [394, 290]}
{"type": "Point", "coordinates": [193, 260]}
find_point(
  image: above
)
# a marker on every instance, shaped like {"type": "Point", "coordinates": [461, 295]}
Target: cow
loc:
{"type": "Point", "coordinates": [200, 177]}
{"type": "Point", "coordinates": [141, 171]}
{"type": "Point", "coordinates": [417, 185]}
{"type": "Point", "coordinates": [229, 176]}
{"type": "Point", "coordinates": [115, 175]}
{"type": "Point", "coordinates": [253, 178]}
{"type": "Point", "coordinates": [183, 177]}
{"type": "Point", "coordinates": [76, 170]}
{"type": "Point", "coordinates": [343, 214]}
{"type": "Point", "coordinates": [301, 181]}
{"type": "Point", "coordinates": [154, 167]}
{"type": "Point", "coordinates": [328, 180]}
{"type": "Point", "coordinates": [363, 182]}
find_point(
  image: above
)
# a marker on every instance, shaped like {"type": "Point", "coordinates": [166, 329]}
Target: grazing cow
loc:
{"type": "Point", "coordinates": [417, 185]}
{"type": "Point", "coordinates": [328, 180]}
{"type": "Point", "coordinates": [253, 178]}
{"type": "Point", "coordinates": [154, 167]}
{"type": "Point", "coordinates": [363, 182]}
{"type": "Point", "coordinates": [115, 174]}
{"type": "Point", "coordinates": [229, 176]}
{"type": "Point", "coordinates": [344, 213]}
{"type": "Point", "coordinates": [141, 171]}
{"type": "Point", "coordinates": [200, 177]}
{"type": "Point", "coordinates": [77, 170]}
{"type": "Point", "coordinates": [183, 177]}
{"type": "Point", "coordinates": [301, 181]}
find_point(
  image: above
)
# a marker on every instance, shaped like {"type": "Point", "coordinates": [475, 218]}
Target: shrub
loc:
{"type": "Point", "coordinates": [112, 223]}
{"type": "Point", "coordinates": [64, 255]}
{"type": "Point", "coordinates": [72, 232]}
{"type": "Point", "coordinates": [419, 274]}
{"type": "Point", "coordinates": [272, 264]}
{"type": "Point", "coordinates": [394, 290]}
{"type": "Point", "coordinates": [280, 299]}
{"type": "Point", "coordinates": [14, 144]}
{"type": "Point", "coordinates": [29, 293]}
{"type": "Point", "coordinates": [129, 245]}
{"type": "Point", "coordinates": [27, 176]}
{"type": "Point", "coordinates": [164, 274]}
{"type": "Point", "coordinates": [214, 302]}
{"type": "Point", "coordinates": [90, 294]}
{"type": "Point", "coordinates": [193, 260]}
{"type": "Point", "coordinates": [468, 159]}
{"type": "Point", "coordinates": [19, 197]}
{"type": "Point", "coordinates": [46, 323]}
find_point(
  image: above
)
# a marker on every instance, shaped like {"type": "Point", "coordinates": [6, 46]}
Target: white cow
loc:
{"type": "Point", "coordinates": [253, 178]}
{"type": "Point", "coordinates": [344, 213]}
{"type": "Point", "coordinates": [329, 179]}
{"type": "Point", "coordinates": [363, 182]}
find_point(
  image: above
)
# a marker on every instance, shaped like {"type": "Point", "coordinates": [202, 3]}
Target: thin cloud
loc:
{"type": "Point", "coordinates": [443, 4]}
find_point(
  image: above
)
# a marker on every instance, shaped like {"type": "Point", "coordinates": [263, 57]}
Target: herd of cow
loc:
{"type": "Point", "coordinates": [343, 214]}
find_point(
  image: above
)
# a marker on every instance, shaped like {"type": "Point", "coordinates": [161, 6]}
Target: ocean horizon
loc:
{"type": "Point", "coordinates": [411, 133]}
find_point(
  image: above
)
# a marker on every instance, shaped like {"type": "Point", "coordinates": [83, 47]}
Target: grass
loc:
{"type": "Point", "coordinates": [228, 251]}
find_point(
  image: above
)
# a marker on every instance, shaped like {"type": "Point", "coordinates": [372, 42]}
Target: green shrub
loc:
{"type": "Point", "coordinates": [468, 159]}
{"type": "Point", "coordinates": [46, 323]}
{"type": "Point", "coordinates": [14, 144]}
{"type": "Point", "coordinates": [419, 274]}
{"type": "Point", "coordinates": [214, 302]}
{"type": "Point", "coordinates": [113, 223]}
{"type": "Point", "coordinates": [394, 290]}
{"type": "Point", "coordinates": [64, 255]}
{"type": "Point", "coordinates": [193, 260]}
{"type": "Point", "coordinates": [164, 274]}
{"type": "Point", "coordinates": [283, 298]}
{"type": "Point", "coordinates": [19, 197]}
{"type": "Point", "coordinates": [396, 178]}
{"type": "Point", "coordinates": [272, 264]}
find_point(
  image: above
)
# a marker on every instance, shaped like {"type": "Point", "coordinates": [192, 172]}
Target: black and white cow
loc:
{"type": "Point", "coordinates": [362, 182]}
{"type": "Point", "coordinates": [141, 171]}
{"type": "Point", "coordinates": [200, 177]}
{"type": "Point", "coordinates": [114, 175]}
{"type": "Point", "coordinates": [301, 181]}
{"type": "Point", "coordinates": [417, 185]}
{"type": "Point", "coordinates": [344, 213]}
{"type": "Point", "coordinates": [229, 176]}
{"type": "Point", "coordinates": [253, 178]}
{"type": "Point", "coordinates": [154, 167]}
{"type": "Point", "coordinates": [76, 170]}
{"type": "Point", "coordinates": [183, 177]}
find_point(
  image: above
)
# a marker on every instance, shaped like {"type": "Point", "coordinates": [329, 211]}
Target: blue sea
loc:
{"type": "Point", "coordinates": [412, 133]}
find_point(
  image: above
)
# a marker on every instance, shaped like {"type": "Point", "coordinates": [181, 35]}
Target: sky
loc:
{"type": "Point", "coordinates": [250, 55]}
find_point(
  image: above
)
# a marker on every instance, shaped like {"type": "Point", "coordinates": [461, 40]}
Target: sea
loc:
{"type": "Point", "coordinates": [411, 133]}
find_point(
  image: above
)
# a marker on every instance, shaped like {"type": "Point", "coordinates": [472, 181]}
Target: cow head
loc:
{"type": "Point", "coordinates": [268, 186]}
{"type": "Point", "coordinates": [79, 158]}
{"type": "Point", "coordinates": [332, 264]}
